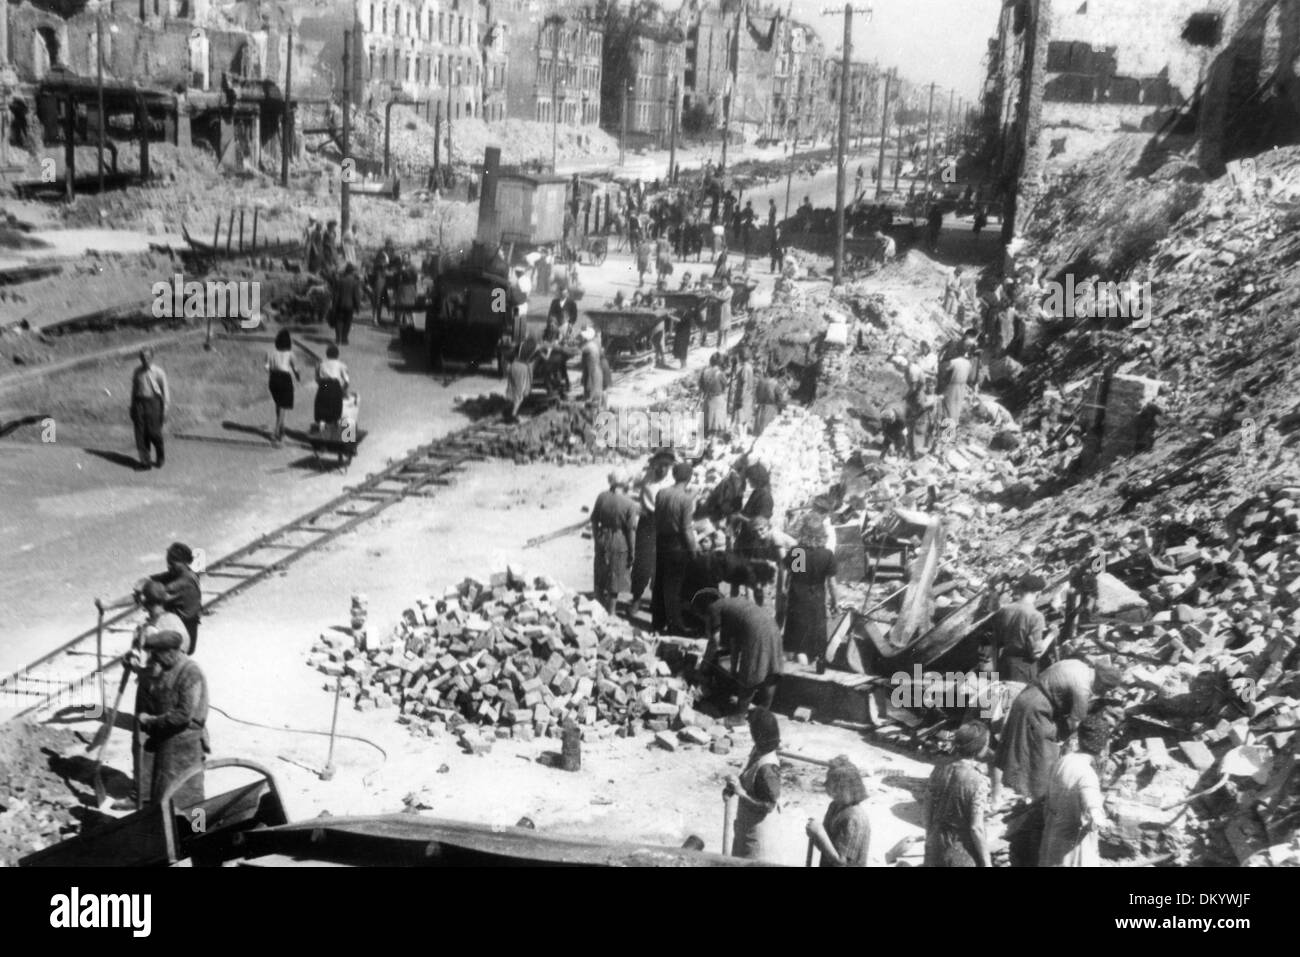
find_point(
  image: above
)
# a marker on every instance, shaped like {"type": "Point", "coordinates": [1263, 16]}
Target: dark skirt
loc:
{"type": "Point", "coordinates": [329, 401]}
{"type": "Point", "coordinates": [281, 386]}
{"type": "Point", "coordinates": [805, 621]}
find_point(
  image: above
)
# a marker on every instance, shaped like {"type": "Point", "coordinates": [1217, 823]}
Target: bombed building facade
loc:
{"type": "Point", "coordinates": [1222, 76]}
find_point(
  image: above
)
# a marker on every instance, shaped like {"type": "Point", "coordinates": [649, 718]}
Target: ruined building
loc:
{"type": "Point", "coordinates": [1218, 75]}
{"type": "Point", "coordinates": [208, 73]}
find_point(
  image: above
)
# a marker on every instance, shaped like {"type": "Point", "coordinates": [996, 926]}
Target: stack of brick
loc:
{"type": "Point", "coordinates": [518, 658]}
{"type": "Point", "coordinates": [796, 453]}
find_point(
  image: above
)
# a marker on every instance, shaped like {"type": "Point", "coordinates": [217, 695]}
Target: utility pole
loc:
{"type": "Point", "coordinates": [842, 145]}
{"type": "Point", "coordinates": [345, 188]}
{"type": "Point", "coordinates": [898, 161]}
{"type": "Point", "coordinates": [884, 135]}
{"type": "Point", "coordinates": [733, 70]}
{"type": "Point", "coordinates": [947, 134]}
{"type": "Point", "coordinates": [554, 21]}
{"type": "Point", "coordinates": [286, 122]}
{"type": "Point", "coordinates": [929, 140]}
{"type": "Point", "coordinates": [99, 84]}
{"type": "Point", "coordinates": [622, 134]}
{"type": "Point", "coordinates": [672, 144]}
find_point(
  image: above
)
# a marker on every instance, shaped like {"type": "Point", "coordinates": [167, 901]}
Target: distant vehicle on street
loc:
{"type": "Point", "coordinates": [471, 316]}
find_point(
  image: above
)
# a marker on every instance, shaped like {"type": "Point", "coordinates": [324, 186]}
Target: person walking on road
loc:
{"type": "Point", "coordinates": [150, 399]}
{"type": "Point", "coordinates": [283, 373]}
{"type": "Point", "coordinates": [347, 300]}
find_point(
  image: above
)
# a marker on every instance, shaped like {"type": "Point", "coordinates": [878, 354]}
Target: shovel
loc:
{"type": "Point", "coordinates": [105, 731]}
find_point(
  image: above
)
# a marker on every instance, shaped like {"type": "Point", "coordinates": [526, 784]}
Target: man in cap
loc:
{"type": "Point", "coordinates": [184, 595]}
{"type": "Point", "coordinates": [750, 637]}
{"type": "Point", "coordinates": [957, 802]}
{"type": "Point", "coordinates": [613, 531]}
{"type": "Point", "coordinates": [1018, 628]}
{"type": "Point", "coordinates": [675, 544]}
{"type": "Point", "coordinates": [160, 629]}
{"type": "Point", "coordinates": [656, 478]}
{"type": "Point", "coordinates": [150, 397]}
{"type": "Point", "coordinates": [1042, 716]}
{"type": "Point", "coordinates": [171, 712]}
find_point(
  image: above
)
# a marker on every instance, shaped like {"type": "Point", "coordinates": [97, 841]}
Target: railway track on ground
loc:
{"type": "Point", "coordinates": [72, 674]}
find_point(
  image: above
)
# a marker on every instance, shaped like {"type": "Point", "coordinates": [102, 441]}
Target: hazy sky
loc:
{"type": "Point", "coordinates": [940, 41]}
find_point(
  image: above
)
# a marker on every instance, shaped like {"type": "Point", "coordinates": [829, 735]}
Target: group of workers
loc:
{"type": "Point", "coordinates": [170, 738]}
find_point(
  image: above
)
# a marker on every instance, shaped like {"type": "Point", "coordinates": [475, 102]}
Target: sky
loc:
{"type": "Point", "coordinates": [930, 41]}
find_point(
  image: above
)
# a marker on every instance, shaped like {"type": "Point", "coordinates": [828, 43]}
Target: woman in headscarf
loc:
{"type": "Point", "coordinates": [844, 836]}
{"type": "Point", "coordinates": [519, 377]}
{"type": "Point", "coordinates": [283, 373]}
{"type": "Point", "coordinates": [757, 790]}
{"type": "Point", "coordinates": [810, 574]}
{"type": "Point", "coordinates": [1074, 809]}
{"type": "Point", "coordinates": [957, 802]}
{"type": "Point", "coordinates": [613, 530]}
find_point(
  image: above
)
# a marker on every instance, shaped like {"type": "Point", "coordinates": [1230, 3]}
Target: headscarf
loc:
{"type": "Point", "coordinates": [765, 730]}
{"type": "Point", "coordinates": [971, 740]}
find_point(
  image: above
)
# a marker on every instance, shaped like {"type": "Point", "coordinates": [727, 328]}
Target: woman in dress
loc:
{"type": "Point", "coordinates": [957, 802]}
{"type": "Point", "coordinates": [614, 520]}
{"type": "Point", "coordinates": [1074, 810]}
{"type": "Point", "coordinates": [283, 373]}
{"type": "Point", "coordinates": [844, 836]}
{"type": "Point", "coordinates": [757, 790]}
{"type": "Point", "coordinates": [519, 377]}
{"type": "Point", "coordinates": [810, 575]}
{"type": "Point", "coordinates": [331, 386]}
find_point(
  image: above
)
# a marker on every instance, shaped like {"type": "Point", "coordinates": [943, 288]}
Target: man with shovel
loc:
{"type": "Point", "coordinates": [171, 713]}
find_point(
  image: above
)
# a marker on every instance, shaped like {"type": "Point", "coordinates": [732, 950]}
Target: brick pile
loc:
{"type": "Point", "coordinates": [517, 658]}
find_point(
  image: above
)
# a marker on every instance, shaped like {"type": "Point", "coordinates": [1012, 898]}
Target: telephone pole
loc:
{"type": "Point", "coordinates": [672, 143]}
{"type": "Point", "coordinates": [733, 69]}
{"type": "Point", "coordinates": [345, 188]}
{"type": "Point", "coordinates": [884, 136]}
{"type": "Point", "coordinates": [842, 146]}
{"type": "Point", "coordinates": [286, 124]}
{"type": "Point", "coordinates": [947, 134]}
{"type": "Point", "coordinates": [929, 139]}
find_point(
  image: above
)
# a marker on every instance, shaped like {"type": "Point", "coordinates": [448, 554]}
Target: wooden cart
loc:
{"type": "Point", "coordinates": [627, 334]}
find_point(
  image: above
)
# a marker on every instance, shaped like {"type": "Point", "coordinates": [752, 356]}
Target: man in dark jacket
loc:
{"type": "Point", "coordinates": [751, 637]}
{"type": "Point", "coordinates": [171, 714]}
{"type": "Point", "coordinates": [347, 300]}
{"type": "Point", "coordinates": [674, 546]}
{"type": "Point", "coordinates": [563, 310]}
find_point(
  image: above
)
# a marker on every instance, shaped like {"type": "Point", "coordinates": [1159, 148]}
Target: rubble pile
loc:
{"type": "Point", "coordinates": [520, 141]}
{"type": "Point", "coordinates": [798, 458]}
{"type": "Point", "coordinates": [520, 657]}
{"type": "Point", "coordinates": [35, 802]}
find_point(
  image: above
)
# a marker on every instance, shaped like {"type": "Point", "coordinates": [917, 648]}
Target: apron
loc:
{"type": "Point", "coordinates": [755, 830]}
